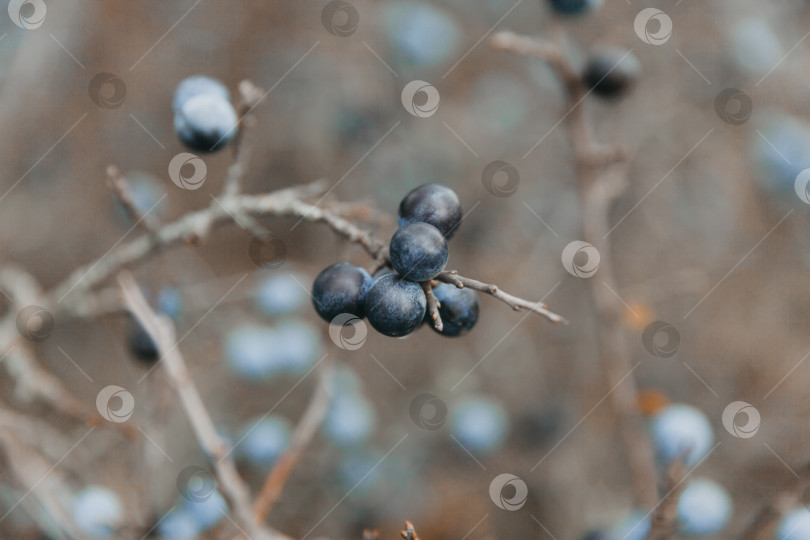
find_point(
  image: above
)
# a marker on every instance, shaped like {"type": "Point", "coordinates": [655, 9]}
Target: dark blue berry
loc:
{"type": "Point", "coordinates": [459, 309]}
{"type": "Point", "coordinates": [395, 306]}
{"type": "Point", "coordinates": [141, 344]}
{"type": "Point", "coordinates": [434, 204]}
{"type": "Point", "coordinates": [611, 72]}
{"type": "Point", "coordinates": [340, 288]}
{"type": "Point", "coordinates": [197, 85]}
{"type": "Point", "coordinates": [383, 271]}
{"type": "Point", "coordinates": [206, 122]}
{"type": "Point", "coordinates": [418, 251]}
{"type": "Point", "coordinates": [574, 7]}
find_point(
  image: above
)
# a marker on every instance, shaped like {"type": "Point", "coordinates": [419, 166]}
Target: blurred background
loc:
{"type": "Point", "coordinates": [710, 237]}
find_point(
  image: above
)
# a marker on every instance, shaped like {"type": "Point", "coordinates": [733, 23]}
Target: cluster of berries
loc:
{"type": "Point", "coordinates": [393, 299]}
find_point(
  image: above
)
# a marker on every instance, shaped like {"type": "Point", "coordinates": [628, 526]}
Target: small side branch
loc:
{"type": "Point", "coordinates": [512, 301]}
{"type": "Point", "coordinates": [780, 503]}
{"type": "Point", "coordinates": [304, 432]}
{"type": "Point", "coordinates": [433, 305]}
{"type": "Point", "coordinates": [161, 330]}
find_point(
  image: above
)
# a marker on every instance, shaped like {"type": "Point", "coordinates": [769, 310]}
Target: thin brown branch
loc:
{"type": "Point", "coordinates": [304, 432]}
{"type": "Point", "coordinates": [161, 330]}
{"type": "Point", "coordinates": [285, 202]}
{"type": "Point", "coordinates": [598, 190]}
{"type": "Point", "coordinates": [31, 381]}
{"type": "Point", "coordinates": [512, 301]}
{"type": "Point", "coordinates": [588, 153]}
{"type": "Point", "coordinates": [118, 183]}
{"type": "Point", "coordinates": [777, 505]}
{"type": "Point", "coordinates": [409, 533]}
{"type": "Point", "coordinates": [433, 305]}
{"type": "Point", "coordinates": [665, 517]}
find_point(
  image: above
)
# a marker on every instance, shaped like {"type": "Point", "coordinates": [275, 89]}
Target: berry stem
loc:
{"type": "Point", "coordinates": [433, 305]}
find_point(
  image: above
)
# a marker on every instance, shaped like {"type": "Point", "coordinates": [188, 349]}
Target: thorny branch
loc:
{"type": "Point", "coordinates": [161, 330]}
{"type": "Point", "coordinates": [665, 517]}
{"type": "Point", "coordinates": [598, 191]}
{"type": "Point", "coordinates": [304, 432]}
{"type": "Point", "coordinates": [778, 505]}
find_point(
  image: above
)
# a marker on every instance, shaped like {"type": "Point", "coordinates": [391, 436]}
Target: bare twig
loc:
{"type": "Point", "coordinates": [409, 533]}
{"type": "Point", "coordinates": [285, 202]}
{"type": "Point", "coordinates": [32, 381]}
{"type": "Point", "coordinates": [514, 302]}
{"type": "Point", "coordinates": [598, 191]}
{"type": "Point", "coordinates": [118, 183]}
{"type": "Point", "coordinates": [777, 505]}
{"type": "Point", "coordinates": [304, 431]}
{"type": "Point", "coordinates": [433, 305]}
{"type": "Point", "coordinates": [665, 517]}
{"type": "Point", "coordinates": [161, 330]}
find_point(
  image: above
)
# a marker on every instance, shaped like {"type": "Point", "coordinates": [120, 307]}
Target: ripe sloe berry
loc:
{"type": "Point", "coordinates": [197, 85]}
{"type": "Point", "coordinates": [574, 7]}
{"type": "Point", "coordinates": [395, 306]}
{"type": "Point", "coordinates": [418, 251]}
{"type": "Point", "coordinates": [340, 288]}
{"type": "Point", "coordinates": [434, 204]}
{"type": "Point", "coordinates": [682, 431]}
{"type": "Point", "coordinates": [704, 508]}
{"type": "Point", "coordinates": [479, 423]}
{"type": "Point", "coordinates": [98, 512]}
{"type": "Point", "coordinates": [350, 420]}
{"type": "Point", "coordinates": [205, 122]}
{"type": "Point", "coordinates": [611, 72]}
{"type": "Point", "coordinates": [264, 440]}
{"type": "Point", "coordinates": [795, 525]}
{"type": "Point", "coordinates": [459, 309]}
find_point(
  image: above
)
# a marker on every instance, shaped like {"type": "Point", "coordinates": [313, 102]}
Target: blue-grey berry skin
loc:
{"type": "Point", "coordinates": [434, 204]}
{"type": "Point", "coordinates": [206, 122]}
{"type": "Point", "coordinates": [611, 72]}
{"type": "Point", "coordinates": [574, 7]}
{"type": "Point", "coordinates": [340, 288]}
{"type": "Point", "coordinates": [395, 306]}
{"type": "Point", "coordinates": [418, 251]}
{"type": "Point", "coordinates": [459, 309]}
{"type": "Point", "coordinates": [195, 86]}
